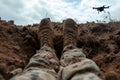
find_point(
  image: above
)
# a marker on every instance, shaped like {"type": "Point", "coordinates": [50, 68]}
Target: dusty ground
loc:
{"type": "Point", "coordinates": [100, 42]}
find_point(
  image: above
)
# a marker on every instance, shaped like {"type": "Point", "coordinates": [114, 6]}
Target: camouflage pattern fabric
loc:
{"type": "Point", "coordinates": [74, 66]}
{"type": "Point", "coordinates": [41, 66]}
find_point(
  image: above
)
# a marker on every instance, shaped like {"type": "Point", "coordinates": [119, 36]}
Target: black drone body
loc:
{"type": "Point", "coordinates": [102, 8]}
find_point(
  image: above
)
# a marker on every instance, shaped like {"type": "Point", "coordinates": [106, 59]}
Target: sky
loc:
{"type": "Point", "coordinates": [25, 12]}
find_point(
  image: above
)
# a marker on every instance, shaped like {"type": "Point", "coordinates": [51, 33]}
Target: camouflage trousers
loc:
{"type": "Point", "coordinates": [73, 65]}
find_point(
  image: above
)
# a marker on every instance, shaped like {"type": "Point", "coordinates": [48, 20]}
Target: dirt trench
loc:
{"type": "Point", "coordinates": [100, 42]}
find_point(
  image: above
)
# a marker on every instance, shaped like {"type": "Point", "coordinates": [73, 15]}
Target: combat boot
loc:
{"type": "Point", "coordinates": [69, 34]}
{"type": "Point", "coordinates": [45, 33]}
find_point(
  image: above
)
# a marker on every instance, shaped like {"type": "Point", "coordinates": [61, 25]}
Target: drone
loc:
{"type": "Point", "coordinates": [102, 8]}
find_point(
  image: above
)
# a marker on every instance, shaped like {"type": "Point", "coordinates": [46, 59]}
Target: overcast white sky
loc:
{"type": "Point", "coordinates": [32, 11]}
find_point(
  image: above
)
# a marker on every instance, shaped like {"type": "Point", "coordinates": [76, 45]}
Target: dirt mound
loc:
{"type": "Point", "coordinates": [100, 42]}
{"type": "Point", "coordinates": [17, 45]}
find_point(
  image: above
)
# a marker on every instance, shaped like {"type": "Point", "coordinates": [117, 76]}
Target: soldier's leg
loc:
{"type": "Point", "coordinates": [43, 64]}
{"type": "Point", "coordinates": [75, 65]}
